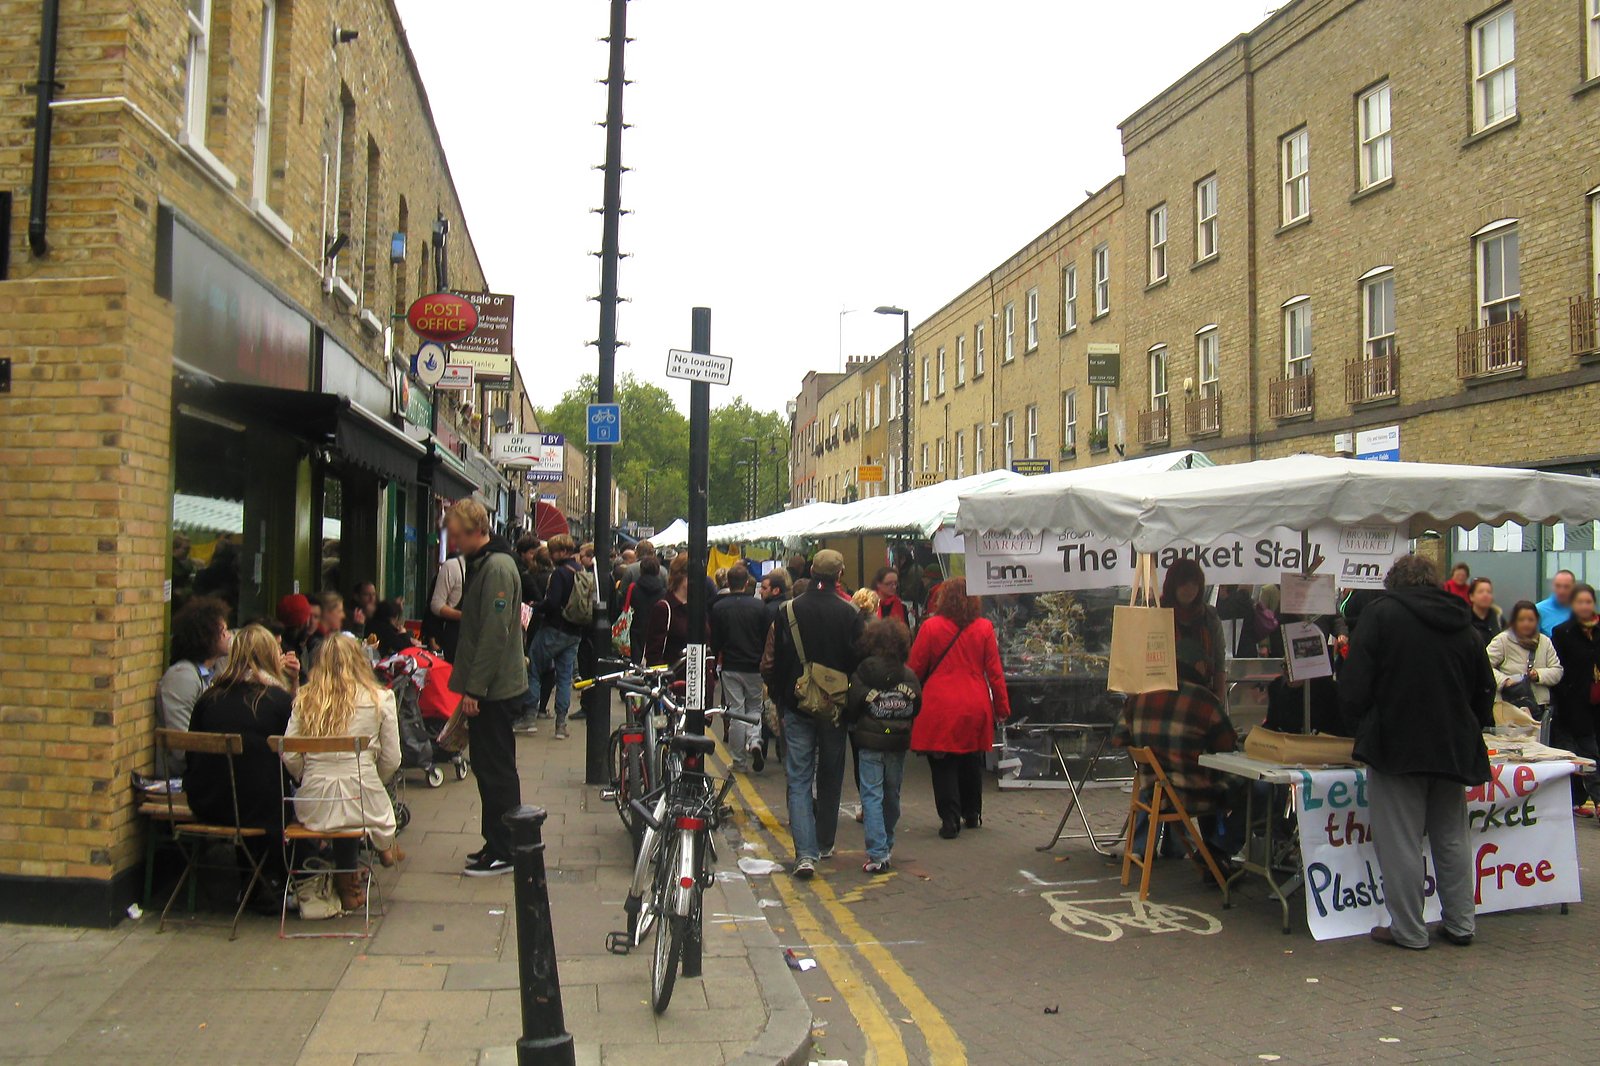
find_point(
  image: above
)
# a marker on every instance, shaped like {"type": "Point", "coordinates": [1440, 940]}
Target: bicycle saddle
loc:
{"type": "Point", "coordinates": [694, 743]}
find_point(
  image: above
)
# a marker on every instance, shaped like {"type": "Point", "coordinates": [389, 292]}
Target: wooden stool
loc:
{"type": "Point", "coordinates": [1163, 808]}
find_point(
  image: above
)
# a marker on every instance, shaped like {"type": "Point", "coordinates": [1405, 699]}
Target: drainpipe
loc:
{"type": "Point", "coordinates": [44, 90]}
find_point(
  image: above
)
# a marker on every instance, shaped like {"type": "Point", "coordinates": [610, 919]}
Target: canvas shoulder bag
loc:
{"type": "Point", "coordinates": [820, 690]}
{"type": "Point", "coordinates": [1144, 639]}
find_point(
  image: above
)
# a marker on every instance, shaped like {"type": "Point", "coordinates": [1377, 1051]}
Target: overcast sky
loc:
{"type": "Point", "coordinates": [790, 159]}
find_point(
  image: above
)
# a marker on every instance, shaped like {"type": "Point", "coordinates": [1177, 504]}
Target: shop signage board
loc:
{"type": "Point", "coordinates": [485, 366]}
{"type": "Point", "coordinates": [1519, 831]}
{"type": "Point", "coordinates": [1030, 466]}
{"type": "Point", "coordinates": [646, 532]}
{"type": "Point", "coordinates": [694, 677]}
{"type": "Point", "coordinates": [495, 384]}
{"type": "Point", "coordinates": [605, 423]}
{"type": "Point", "coordinates": [545, 475]}
{"type": "Point", "coordinates": [1379, 445]}
{"type": "Point", "coordinates": [443, 317]}
{"type": "Point", "coordinates": [924, 480]}
{"type": "Point", "coordinates": [1356, 556]}
{"type": "Point", "coordinates": [431, 360]}
{"type": "Point", "coordinates": [457, 377]}
{"type": "Point", "coordinates": [699, 366]}
{"type": "Point", "coordinates": [535, 451]}
{"type": "Point", "coordinates": [493, 335]}
{"type": "Point", "coordinates": [1105, 365]}
{"type": "Point", "coordinates": [870, 474]}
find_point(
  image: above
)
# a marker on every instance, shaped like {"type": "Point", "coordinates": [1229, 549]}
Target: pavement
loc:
{"type": "Point", "coordinates": [436, 984]}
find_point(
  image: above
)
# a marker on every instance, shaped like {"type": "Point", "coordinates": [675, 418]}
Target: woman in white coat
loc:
{"type": "Point", "coordinates": [1520, 653]}
{"type": "Point", "coordinates": [341, 698]}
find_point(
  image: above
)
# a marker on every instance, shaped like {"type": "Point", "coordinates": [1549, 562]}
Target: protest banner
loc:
{"type": "Point", "coordinates": [1519, 827]}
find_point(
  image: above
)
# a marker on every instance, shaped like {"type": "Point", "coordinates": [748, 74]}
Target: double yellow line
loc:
{"type": "Point", "coordinates": [884, 1043]}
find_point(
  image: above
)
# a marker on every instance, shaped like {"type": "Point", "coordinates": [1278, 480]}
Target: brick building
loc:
{"type": "Point", "coordinates": [201, 261]}
{"type": "Point", "coordinates": [808, 437]}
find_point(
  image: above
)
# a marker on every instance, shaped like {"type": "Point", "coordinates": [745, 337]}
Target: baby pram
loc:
{"type": "Point", "coordinates": [423, 704]}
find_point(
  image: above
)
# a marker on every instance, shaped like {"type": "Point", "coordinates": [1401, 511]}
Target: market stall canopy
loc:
{"type": "Point", "coordinates": [548, 521]}
{"type": "Point", "coordinates": [1159, 508]}
{"type": "Point", "coordinates": [675, 534]}
{"type": "Point", "coordinates": [781, 526]}
{"type": "Point", "coordinates": [919, 512]}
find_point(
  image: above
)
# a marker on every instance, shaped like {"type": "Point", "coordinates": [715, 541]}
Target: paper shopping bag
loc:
{"type": "Point", "coordinates": [1144, 653]}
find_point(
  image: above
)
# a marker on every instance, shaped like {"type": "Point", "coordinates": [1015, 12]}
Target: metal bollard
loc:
{"type": "Point", "coordinates": [545, 1040]}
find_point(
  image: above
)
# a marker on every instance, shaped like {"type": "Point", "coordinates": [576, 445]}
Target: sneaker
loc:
{"type": "Point", "coordinates": [739, 767]}
{"type": "Point", "coordinates": [758, 758]}
{"type": "Point", "coordinates": [577, 716]}
{"type": "Point", "coordinates": [486, 865]}
{"type": "Point", "coordinates": [805, 868]}
{"type": "Point", "coordinates": [526, 725]}
{"type": "Point", "coordinates": [561, 732]}
{"type": "Point", "coordinates": [875, 866]}
{"type": "Point", "coordinates": [827, 853]}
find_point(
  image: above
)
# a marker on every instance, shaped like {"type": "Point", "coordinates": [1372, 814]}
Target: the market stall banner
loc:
{"type": "Point", "coordinates": [1357, 556]}
{"type": "Point", "coordinates": [1519, 830]}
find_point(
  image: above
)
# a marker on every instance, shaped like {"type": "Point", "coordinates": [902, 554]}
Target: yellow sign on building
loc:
{"type": "Point", "coordinates": [870, 474]}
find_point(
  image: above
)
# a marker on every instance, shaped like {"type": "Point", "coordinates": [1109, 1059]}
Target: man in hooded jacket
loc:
{"type": "Point", "coordinates": [1418, 692]}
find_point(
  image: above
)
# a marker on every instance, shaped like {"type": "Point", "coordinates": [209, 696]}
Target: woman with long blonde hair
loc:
{"type": "Point", "coordinates": [339, 791]}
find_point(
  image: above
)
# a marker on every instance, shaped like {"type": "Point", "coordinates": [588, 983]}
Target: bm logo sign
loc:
{"type": "Point", "coordinates": [1005, 572]}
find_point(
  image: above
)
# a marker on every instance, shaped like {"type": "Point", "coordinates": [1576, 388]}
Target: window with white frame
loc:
{"type": "Point", "coordinates": [1032, 306]}
{"type": "Point", "coordinates": [1494, 69]}
{"type": "Point", "coordinates": [1377, 328]}
{"type": "Point", "coordinates": [1499, 276]}
{"type": "Point", "coordinates": [1031, 424]}
{"type": "Point", "coordinates": [940, 453]}
{"type": "Point", "coordinates": [197, 72]}
{"type": "Point", "coordinates": [927, 384]}
{"type": "Point", "coordinates": [940, 364]}
{"type": "Point", "coordinates": [1102, 280]}
{"type": "Point", "coordinates": [894, 396]}
{"type": "Point", "coordinates": [979, 457]}
{"type": "Point", "coordinates": [961, 453]}
{"type": "Point", "coordinates": [1008, 322]}
{"type": "Point", "coordinates": [262, 172]}
{"type": "Point", "coordinates": [1069, 295]}
{"type": "Point", "coordinates": [1594, 239]}
{"type": "Point", "coordinates": [1102, 412]}
{"type": "Point", "coordinates": [877, 405]}
{"type": "Point", "coordinates": [1069, 419]}
{"type": "Point", "coordinates": [977, 350]}
{"type": "Point", "coordinates": [1372, 115]}
{"type": "Point", "coordinates": [1297, 339]}
{"type": "Point", "coordinates": [1295, 150]}
{"type": "Point", "coordinates": [1205, 218]}
{"type": "Point", "coordinates": [1008, 424]}
{"type": "Point", "coordinates": [961, 360]}
{"type": "Point", "coordinates": [1158, 378]}
{"type": "Point", "coordinates": [1158, 243]}
{"type": "Point", "coordinates": [924, 458]}
{"type": "Point", "coordinates": [1207, 351]}
{"type": "Point", "coordinates": [1592, 36]}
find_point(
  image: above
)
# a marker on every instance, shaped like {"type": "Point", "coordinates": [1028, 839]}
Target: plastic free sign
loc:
{"type": "Point", "coordinates": [699, 366]}
{"type": "Point", "coordinates": [1519, 835]}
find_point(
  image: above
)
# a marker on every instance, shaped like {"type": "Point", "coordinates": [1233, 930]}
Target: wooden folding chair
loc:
{"type": "Point", "coordinates": [294, 833]}
{"type": "Point", "coordinates": [192, 837]}
{"type": "Point", "coordinates": [1163, 808]}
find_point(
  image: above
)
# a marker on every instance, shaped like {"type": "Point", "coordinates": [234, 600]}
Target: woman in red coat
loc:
{"type": "Point", "coordinates": [957, 660]}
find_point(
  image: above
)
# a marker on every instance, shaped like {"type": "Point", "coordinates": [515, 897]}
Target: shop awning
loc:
{"type": "Point", "coordinates": [447, 475]}
{"type": "Point", "coordinates": [330, 420]}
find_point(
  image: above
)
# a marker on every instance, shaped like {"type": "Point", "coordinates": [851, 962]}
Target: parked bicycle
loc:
{"type": "Point", "coordinates": [635, 755]}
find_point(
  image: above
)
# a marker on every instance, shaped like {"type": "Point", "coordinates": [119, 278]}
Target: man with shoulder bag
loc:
{"type": "Point", "coordinates": [814, 652]}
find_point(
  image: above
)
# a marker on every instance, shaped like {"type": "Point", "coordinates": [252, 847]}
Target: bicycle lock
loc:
{"type": "Point", "coordinates": [545, 1040]}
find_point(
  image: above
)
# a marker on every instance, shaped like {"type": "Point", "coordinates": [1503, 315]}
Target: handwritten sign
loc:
{"type": "Point", "coordinates": [1519, 829]}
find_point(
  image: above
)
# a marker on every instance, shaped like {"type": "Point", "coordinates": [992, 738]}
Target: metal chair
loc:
{"type": "Point", "coordinates": [1163, 808]}
{"type": "Point", "coordinates": [192, 836]}
{"type": "Point", "coordinates": [294, 833]}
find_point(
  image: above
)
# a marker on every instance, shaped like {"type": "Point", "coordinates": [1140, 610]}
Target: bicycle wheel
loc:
{"type": "Point", "coordinates": [670, 935]}
{"type": "Point", "coordinates": [634, 785]}
{"type": "Point", "coordinates": [616, 761]}
{"type": "Point", "coordinates": [694, 938]}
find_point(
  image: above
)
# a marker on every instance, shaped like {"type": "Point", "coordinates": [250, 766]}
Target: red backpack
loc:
{"type": "Point", "coordinates": [435, 699]}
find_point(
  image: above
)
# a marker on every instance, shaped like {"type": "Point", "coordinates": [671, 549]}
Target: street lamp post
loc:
{"type": "Point", "coordinates": [905, 393]}
{"type": "Point", "coordinates": [754, 485]}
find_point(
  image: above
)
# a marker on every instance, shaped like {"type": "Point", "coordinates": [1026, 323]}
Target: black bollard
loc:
{"type": "Point", "coordinates": [545, 1040]}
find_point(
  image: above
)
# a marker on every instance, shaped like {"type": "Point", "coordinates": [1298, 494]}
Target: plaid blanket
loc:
{"type": "Point", "coordinates": [1179, 727]}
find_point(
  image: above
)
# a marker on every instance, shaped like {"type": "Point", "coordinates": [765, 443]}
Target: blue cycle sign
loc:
{"type": "Point", "coordinates": [605, 423]}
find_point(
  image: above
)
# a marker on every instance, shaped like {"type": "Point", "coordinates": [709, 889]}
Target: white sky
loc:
{"type": "Point", "coordinates": [790, 159]}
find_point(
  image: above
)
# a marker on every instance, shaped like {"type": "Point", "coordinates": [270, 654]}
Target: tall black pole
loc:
{"type": "Point", "coordinates": [905, 402]}
{"type": "Point", "coordinates": [596, 699]}
{"type": "Point", "coordinates": [699, 491]}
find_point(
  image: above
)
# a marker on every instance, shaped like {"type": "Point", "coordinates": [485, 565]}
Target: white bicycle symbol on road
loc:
{"type": "Point", "coordinates": [1093, 919]}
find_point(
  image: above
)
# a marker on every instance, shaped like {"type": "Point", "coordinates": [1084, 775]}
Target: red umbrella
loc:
{"type": "Point", "coordinates": [548, 521]}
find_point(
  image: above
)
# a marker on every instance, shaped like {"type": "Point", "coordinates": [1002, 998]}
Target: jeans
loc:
{"type": "Point", "coordinates": [881, 775]}
{"type": "Point", "coordinates": [552, 646]}
{"type": "Point", "coordinates": [742, 694]}
{"type": "Point", "coordinates": [494, 764]}
{"type": "Point", "coordinates": [815, 754]}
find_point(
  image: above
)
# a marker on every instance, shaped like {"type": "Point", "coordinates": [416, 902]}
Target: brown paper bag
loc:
{"type": "Point", "coordinates": [1143, 640]}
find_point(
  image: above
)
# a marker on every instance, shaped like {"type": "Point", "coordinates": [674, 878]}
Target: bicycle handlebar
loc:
{"type": "Point", "coordinates": [734, 716]}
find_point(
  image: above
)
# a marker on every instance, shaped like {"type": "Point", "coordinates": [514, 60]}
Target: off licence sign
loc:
{"type": "Point", "coordinates": [699, 366]}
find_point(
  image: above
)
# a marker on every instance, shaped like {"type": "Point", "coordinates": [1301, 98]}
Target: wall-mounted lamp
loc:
{"type": "Point", "coordinates": [397, 248]}
{"type": "Point", "coordinates": [342, 36]}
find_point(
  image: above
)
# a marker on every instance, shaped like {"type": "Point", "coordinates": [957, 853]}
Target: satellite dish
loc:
{"type": "Point", "coordinates": [501, 419]}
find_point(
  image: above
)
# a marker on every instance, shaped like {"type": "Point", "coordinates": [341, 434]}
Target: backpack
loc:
{"type": "Point", "coordinates": [820, 690]}
{"type": "Point", "coordinates": [579, 608]}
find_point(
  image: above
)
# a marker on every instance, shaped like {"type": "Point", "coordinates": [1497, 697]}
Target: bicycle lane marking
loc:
{"type": "Point", "coordinates": [943, 1044]}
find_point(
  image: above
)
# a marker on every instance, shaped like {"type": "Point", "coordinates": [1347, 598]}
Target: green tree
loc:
{"type": "Point", "coordinates": [740, 434]}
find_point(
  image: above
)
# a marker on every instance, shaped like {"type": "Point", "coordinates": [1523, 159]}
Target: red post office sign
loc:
{"type": "Point", "coordinates": [443, 317]}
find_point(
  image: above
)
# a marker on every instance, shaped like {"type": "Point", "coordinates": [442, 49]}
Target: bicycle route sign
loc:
{"type": "Point", "coordinates": [605, 423]}
{"type": "Point", "coordinates": [699, 366]}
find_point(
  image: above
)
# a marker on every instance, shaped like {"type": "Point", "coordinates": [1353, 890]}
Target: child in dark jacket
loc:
{"type": "Point", "coordinates": [883, 701]}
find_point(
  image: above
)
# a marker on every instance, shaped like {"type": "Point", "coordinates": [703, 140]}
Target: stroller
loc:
{"type": "Point", "coordinates": [418, 680]}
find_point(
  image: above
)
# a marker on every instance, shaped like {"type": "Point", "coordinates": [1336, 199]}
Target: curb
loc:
{"type": "Point", "coordinates": [786, 1038]}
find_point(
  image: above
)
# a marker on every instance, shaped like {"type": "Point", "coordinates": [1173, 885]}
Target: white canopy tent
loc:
{"type": "Point", "coordinates": [1160, 508]}
{"type": "Point", "coordinates": [781, 526]}
{"type": "Point", "coordinates": [675, 534]}
{"type": "Point", "coordinates": [919, 511]}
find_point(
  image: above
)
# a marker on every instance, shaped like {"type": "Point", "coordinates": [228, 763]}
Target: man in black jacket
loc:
{"type": "Point", "coordinates": [739, 624]}
{"type": "Point", "coordinates": [1418, 691]}
{"type": "Point", "coordinates": [556, 643]}
{"type": "Point", "coordinates": [830, 628]}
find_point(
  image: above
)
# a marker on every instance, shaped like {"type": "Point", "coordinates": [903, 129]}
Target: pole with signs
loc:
{"type": "Point", "coordinates": [699, 490]}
